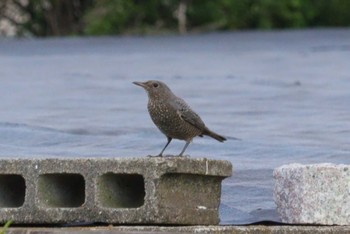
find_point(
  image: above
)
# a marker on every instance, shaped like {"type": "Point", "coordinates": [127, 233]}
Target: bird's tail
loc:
{"type": "Point", "coordinates": [214, 135]}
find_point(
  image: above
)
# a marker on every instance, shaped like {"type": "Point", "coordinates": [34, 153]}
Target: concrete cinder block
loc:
{"type": "Point", "coordinates": [171, 190]}
{"type": "Point", "coordinates": [313, 194]}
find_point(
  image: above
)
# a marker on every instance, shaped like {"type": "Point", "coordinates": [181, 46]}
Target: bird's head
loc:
{"type": "Point", "coordinates": [155, 88]}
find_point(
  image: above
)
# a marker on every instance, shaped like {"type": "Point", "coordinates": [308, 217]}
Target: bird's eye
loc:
{"type": "Point", "coordinates": [155, 85]}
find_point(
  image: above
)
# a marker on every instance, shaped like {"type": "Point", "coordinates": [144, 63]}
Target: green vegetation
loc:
{"type": "Point", "coordinates": [105, 17]}
{"type": "Point", "coordinates": [6, 226]}
{"type": "Point", "coordinates": [115, 17]}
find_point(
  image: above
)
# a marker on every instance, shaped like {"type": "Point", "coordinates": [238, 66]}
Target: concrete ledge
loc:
{"type": "Point", "coordinates": [254, 229]}
{"type": "Point", "coordinates": [171, 190]}
{"type": "Point", "coordinates": [313, 194]}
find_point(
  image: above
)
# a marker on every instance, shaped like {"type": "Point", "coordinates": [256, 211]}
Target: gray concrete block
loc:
{"type": "Point", "coordinates": [313, 194]}
{"type": "Point", "coordinates": [171, 190]}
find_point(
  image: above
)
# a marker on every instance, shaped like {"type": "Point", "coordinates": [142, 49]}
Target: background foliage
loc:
{"type": "Point", "coordinates": [105, 17]}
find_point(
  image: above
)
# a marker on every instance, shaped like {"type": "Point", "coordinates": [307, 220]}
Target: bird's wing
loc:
{"type": "Point", "coordinates": [188, 115]}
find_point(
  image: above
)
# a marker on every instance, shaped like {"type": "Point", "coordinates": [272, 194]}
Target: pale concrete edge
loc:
{"type": "Point", "coordinates": [182, 229]}
{"type": "Point", "coordinates": [207, 166]}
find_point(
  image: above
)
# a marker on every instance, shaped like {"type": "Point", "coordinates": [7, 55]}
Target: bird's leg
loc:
{"type": "Point", "coordinates": [161, 153]}
{"type": "Point", "coordinates": [183, 150]}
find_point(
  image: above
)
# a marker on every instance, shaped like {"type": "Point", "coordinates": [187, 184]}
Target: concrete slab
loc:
{"type": "Point", "coordinates": [253, 229]}
{"type": "Point", "coordinates": [313, 194]}
{"type": "Point", "coordinates": [169, 190]}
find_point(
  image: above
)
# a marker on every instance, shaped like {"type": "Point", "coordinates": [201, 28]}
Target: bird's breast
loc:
{"type": "Point", "coordinates": [168, 120]}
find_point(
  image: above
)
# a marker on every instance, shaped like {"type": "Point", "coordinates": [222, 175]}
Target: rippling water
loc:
{"type": "Point", "coordinates": [286, 95]}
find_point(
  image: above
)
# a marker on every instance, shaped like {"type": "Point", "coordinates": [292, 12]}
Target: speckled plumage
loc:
{"type": "Point", "coordinates": [173, 116]}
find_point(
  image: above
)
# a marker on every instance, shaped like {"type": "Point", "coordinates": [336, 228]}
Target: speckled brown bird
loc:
{"type": "Point", "coordinates": [171, 114]}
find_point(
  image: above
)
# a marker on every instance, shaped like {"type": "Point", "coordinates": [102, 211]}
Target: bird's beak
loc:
{"type": "Point", "coordinates": [143, 85]}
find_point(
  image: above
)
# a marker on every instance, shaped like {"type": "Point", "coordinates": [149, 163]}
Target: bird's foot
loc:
{"type": "Point", "coordinates": [183, 156]}
{"type": "Point", "coordinates": [173, 156]}
{"type": "Point", "coordinates": [155, 156]}
{"type": "Point", "coordinates": [168, 156]}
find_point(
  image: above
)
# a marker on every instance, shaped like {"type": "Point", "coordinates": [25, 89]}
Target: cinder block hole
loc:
{"type": "Point", "coordinates": [61, 190]}
{"type": "Point", "coordinates": [12, 190]}
{"type": "Point", "coordinates": [121, 190]}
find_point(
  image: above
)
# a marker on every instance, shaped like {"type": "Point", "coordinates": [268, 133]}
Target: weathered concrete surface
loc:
{"type": "Point", "coordinates": [169, 190]}
{"type": "Point", "coordinates": [258, 229]}
{"type": "Point", "coordinates": [313, 194]}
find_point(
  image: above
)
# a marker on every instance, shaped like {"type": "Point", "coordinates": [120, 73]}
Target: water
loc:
{"type": "Point", "coordinates": [284, 94]}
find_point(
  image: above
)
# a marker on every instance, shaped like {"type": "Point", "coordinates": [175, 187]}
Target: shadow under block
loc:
{"type": "Point", "coordinates": [169, 190]}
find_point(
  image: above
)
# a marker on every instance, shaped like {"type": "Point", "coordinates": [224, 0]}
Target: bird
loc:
{"type": "Point", "coordinates": [173, 116]}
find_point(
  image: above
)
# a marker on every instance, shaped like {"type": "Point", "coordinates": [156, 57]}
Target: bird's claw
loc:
{"type": "Point", "coordinates": [184, 156]}
{"type": "Point", "coordinates": [154, 156]}
{"type": "Point", "coordinates": [176, 156]}
{"type": "Point", "coordinates": [168, 156]}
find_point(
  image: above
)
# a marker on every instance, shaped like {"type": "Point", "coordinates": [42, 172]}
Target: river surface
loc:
{"type": "Point", "coordinates": [285, 94]}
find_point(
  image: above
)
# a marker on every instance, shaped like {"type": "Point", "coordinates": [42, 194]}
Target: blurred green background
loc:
{"type": "Point", "coordinates": [108, 17]}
